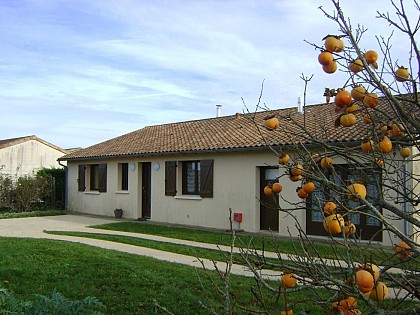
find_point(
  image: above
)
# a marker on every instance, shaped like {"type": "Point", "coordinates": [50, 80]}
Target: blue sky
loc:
{"type": "Point", "coordinates": [79, 72]}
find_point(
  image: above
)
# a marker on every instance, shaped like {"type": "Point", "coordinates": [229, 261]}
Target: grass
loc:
{"type": "Point", "coordinates": [215, 254]}
{"type": "Point", "coordinates": [36, 213]}
{"type": "Point", "coordinates": [130, 284]}
{"type": "Point", "coordinates": [266, 242]}
{"type": "Point", "coordinates": [358, 254]}
{"type": "Point", "coordinates": [211, 254]}
{"type": "Point", "coordinates": [126, 284]}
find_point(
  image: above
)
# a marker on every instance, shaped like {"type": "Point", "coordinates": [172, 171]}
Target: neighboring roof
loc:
{"type": "Point", "coordinates": [14, 141]}
{"type": "Point", "coordinates": [72, 150]}
{"type": "Point", "coordinates": [236, 132]}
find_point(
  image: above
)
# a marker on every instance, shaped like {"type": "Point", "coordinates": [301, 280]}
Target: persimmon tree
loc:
{"type": "Point", "coordinates": [374, 140]}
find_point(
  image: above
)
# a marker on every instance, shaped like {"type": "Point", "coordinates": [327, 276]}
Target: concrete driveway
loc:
{"type": "Point", "coordinates": [34, 227]}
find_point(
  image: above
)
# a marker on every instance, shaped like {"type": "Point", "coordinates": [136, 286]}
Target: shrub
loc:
{"type": "Point", "coordinates": [44, 190]}
{"type": "Point", "coordinates": [57, 179]}
{"type": "Point", "coordinates": [6, 192]}
{"type": "Point", "coordinates": [30, 192]}
{"type": "Point", "coordinates": [57, 304]}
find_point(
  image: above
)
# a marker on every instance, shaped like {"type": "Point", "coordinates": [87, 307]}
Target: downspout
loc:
{"type": "Point", "coordinates": [65, 184]}
{"type": "Point", "coordinates": [405, 199]}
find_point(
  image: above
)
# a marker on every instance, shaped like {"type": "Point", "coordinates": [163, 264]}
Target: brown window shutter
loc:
{"type": "Point", "coordinates": [102, 178]}
{"type": "Point", "coordinates": [206, 178]}
{"type": "Point", "coordinates": [170, 178]}
{"type": "Point", "coordinates": [81, 178]}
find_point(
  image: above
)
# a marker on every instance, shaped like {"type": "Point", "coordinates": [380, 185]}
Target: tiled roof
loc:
{"type": "Point", "coordinates": [14, 141]}
{"type": "Point", "coordinates": [236, 132]}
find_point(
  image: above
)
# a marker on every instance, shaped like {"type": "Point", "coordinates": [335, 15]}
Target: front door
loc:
{"type": "Point", "coordinates": [146, 190]}
{"type": "Point", "coordinates": [269, 213]}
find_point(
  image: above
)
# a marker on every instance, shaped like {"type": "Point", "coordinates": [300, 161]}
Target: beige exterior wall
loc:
{"type": "Point", "coordinates": [396, 171]}
{"type": "Point", "coordinates": [416, 190]}
{"type": "Point", "coordinates": [236, 186]}
{"type": "Point", "coordinates": [27, 158]}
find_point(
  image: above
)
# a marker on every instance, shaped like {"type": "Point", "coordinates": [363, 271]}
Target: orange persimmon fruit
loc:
{"type": "Point", "coordinates": [277, 187]}
{"type": "Point", "coordinates": [358, 190]}
{"type": "Point", "coordinates": [325, 57]}
{"type": "Point", "coordinates": [364, 281]}
{"type": "Point", "coordinates": [343, 99]}
{"type": "Point", "coordinates": [288, 280]}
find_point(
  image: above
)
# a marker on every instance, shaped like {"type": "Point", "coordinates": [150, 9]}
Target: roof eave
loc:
{"type": "Point", "coordinates": [204, 151]}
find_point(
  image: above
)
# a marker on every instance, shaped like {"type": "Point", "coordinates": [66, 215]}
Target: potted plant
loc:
{"type": "Point", "coordinates": [118, 213]}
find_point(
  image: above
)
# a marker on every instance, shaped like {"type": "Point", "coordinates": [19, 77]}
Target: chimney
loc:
{"type": "Point", "coordinates": [301, 109]}
{"type": "Point", "coordinates": [238, 115]}
{"type": "Point", "coordinates": [218, 108]}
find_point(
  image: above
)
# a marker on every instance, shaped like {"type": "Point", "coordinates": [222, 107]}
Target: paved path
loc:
{"type": "Point", "coordinates": [34, 228]}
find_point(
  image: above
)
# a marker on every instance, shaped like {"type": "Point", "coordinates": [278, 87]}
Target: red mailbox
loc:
{"type": "Point", "coordinates": [237, 216]}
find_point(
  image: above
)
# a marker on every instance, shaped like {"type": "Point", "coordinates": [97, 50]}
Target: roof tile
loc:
{"type": "Point", "coordinates": [245, 131]}
{"type": "Point", "coordinates": [14, 141]}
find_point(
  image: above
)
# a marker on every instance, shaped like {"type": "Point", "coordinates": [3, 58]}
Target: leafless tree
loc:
{"type": "Point", "coordinates": [365, 167]}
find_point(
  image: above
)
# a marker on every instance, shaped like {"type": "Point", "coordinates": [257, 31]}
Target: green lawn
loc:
{"type": "Point", "coordinates": [273, 243]}
{"type": "Point", "coordinates": [267, 242]}
{"type": "Point", "coordinates": [215, 254]}
{"type": "Point", "coordinates": [130, 284]}
{"type": "Point", "coordinates": [125, 283]}
{"type": "Point", "coordinates": [6, 214]}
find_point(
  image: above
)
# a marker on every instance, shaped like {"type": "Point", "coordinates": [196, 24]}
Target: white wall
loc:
{"type": "Point", "coordinates": [103, 203]}
{"type": "Point", "coordinates": [27, 158]}
{"type": "Point", "coordinates": [416, 189]}
{"type": "Point", "coordinates": [236, 186]}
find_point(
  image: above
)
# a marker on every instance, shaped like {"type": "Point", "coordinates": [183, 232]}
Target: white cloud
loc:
{"type": "Point", "coordinates": [79, 72]}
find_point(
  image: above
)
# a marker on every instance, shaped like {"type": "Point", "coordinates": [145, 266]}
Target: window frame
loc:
{"type": "Point", "coordinates": [92, 177]}
{"type": "Point", "coordinates": [203, 178]}
{"type": "Point", "coordinates": [196, 177]}
{"type": "Point", "coordinates": [81, 179]}
{"type": "Point", "coordinates": [345, 172]}
{"type": "Point", "coordinates": [123, 176]}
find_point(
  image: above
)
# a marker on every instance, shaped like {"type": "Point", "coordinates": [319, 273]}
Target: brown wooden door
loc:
{"type": "Point", "coordinates": [269, 213]}
{"type": "Point", "coordinates": [146, 209]}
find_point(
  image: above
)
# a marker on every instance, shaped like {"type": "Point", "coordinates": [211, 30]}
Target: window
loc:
{"type": "Point", "coordinates": [123, 176]}
{"type": "Point", "coordinates": [81, 178]}
{"type": "Point", "coordinates": [367, 226]}
{"type": "Point", "coordinates": [94, 177]}
{"type": "Point", "coordinates": [197, 178]}
{"type": "Point", "coordinates": [97, 177]}
{"type": "Point", "coordinates": [191, 178]}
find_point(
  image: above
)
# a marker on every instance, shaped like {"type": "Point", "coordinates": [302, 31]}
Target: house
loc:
{"type": "Point", "coordinates": [26, 155]}
{"type": "Point", "coordinates": [193, 172]}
